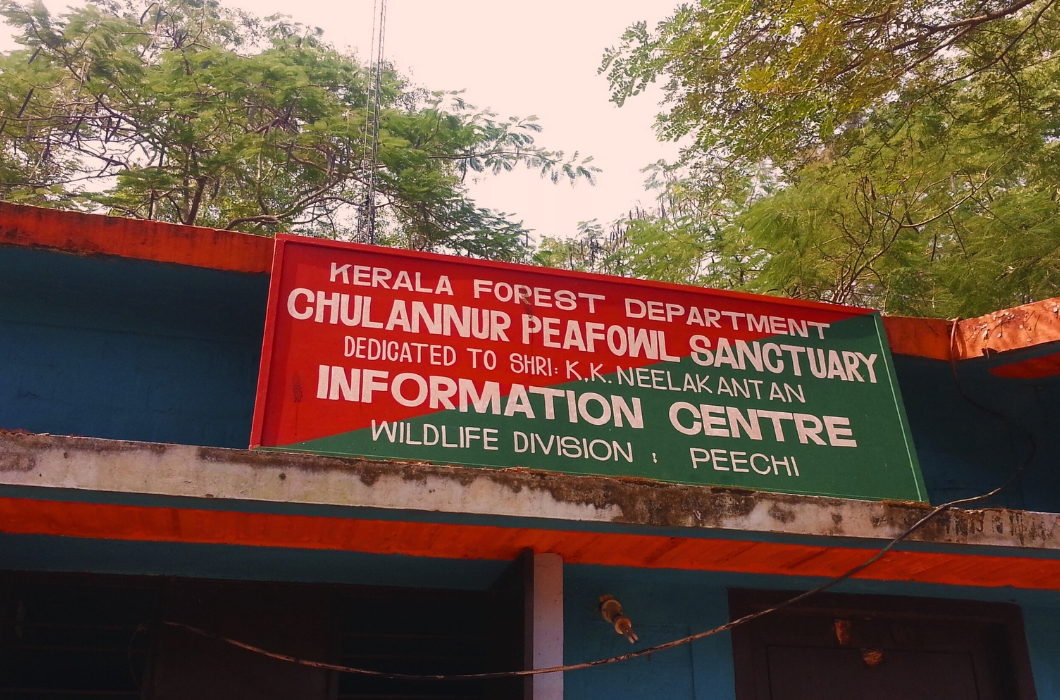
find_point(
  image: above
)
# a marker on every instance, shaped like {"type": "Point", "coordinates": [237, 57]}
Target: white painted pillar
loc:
{"type": "Point", "coordinates": [544, 625]}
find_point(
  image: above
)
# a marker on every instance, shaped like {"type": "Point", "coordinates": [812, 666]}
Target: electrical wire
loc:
{"type": "Point", "coordinates": [831, 583]}
{"type": "Point", "coordinates": [613, 659]}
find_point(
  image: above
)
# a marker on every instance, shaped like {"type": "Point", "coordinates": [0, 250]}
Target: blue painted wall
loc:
{"type": "Point", "coordinates": [666, 604]}
{"type": "Point", "coordinates": [128, 349]}
{"type": "Point", "coordinates": [973, 431]}
{"type": "Point", "coordinates": [1043, 637]}
{"type": "Point", "coordinates": [662, 607]}
{"type": "Point", "coordinates": [663, 604]}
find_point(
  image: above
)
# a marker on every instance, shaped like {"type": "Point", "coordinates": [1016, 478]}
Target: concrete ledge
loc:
{"type": "Point", "coordinates": [90, 464]}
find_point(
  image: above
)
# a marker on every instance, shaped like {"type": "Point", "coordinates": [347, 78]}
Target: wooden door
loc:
{"type": "Point", "coordinates": [847, 647]}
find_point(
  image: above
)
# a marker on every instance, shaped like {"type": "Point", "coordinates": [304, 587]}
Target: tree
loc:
{"type": "Point", "coordinates": [748, 80]}
{"type": "Point", "coordinates": [185, 111]}
{"type": "Point", "coordinates": [660, 244]}
{"type": "Point", "coordinates": [943, 215]}
{"type": "Point", "coordinates": [898, 155]}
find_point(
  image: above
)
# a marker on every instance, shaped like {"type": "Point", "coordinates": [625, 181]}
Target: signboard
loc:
{"type": "Point", "coordinates": [383, 353]}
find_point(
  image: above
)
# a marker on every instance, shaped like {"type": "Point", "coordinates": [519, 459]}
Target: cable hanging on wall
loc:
{"type": "Point", "coordinates": [831, 583]}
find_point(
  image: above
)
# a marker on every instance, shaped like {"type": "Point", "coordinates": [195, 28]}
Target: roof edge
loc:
{"type": "Point", "coordinates": [94, 234]}
{"type": "Point", "coordinates": [1017, 328]}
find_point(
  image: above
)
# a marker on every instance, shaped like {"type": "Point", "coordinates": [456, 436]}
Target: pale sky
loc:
{"type": "Point", "coordinates": [535, 58]}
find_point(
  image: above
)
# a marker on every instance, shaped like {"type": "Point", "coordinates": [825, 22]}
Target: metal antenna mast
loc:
{"type": "Point", "coordinates": [377, 83]}
{"type": "Point", "coordinates": [370, 91]}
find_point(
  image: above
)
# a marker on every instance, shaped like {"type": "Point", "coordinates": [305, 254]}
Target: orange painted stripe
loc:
{"type": "Point", "coordinates": [92, 234]}
{"type": "Point", "coordinates": [920, 337]}
{"type": "Point", "coordinates": [150, 524]}
{"type": "Point", "coordinates": [1034, 368]}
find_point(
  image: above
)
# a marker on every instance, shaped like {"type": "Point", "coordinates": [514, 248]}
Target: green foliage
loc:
{"type": "Point", "coordinates": [653, 245]}
{"type": "Point", "coordinates": [901, 155]}
{"type": "Point", "coordinates": [591, 251]}
{"type": "Point", "coordinates": [189, 112]}
{"type": "Point", "coordinates": [754, 79]}
{"type": "Point", "coordinates": [942, 215]}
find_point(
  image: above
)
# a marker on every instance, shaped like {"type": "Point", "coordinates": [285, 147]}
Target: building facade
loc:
{"type": "Point", "coordinates": [137, 529]}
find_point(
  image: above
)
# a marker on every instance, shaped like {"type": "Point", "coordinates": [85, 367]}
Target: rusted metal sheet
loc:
{"type": "Point", "coordinates": [1011, 329]}
{"type": "Point", "coordinates": [1017, 328]}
